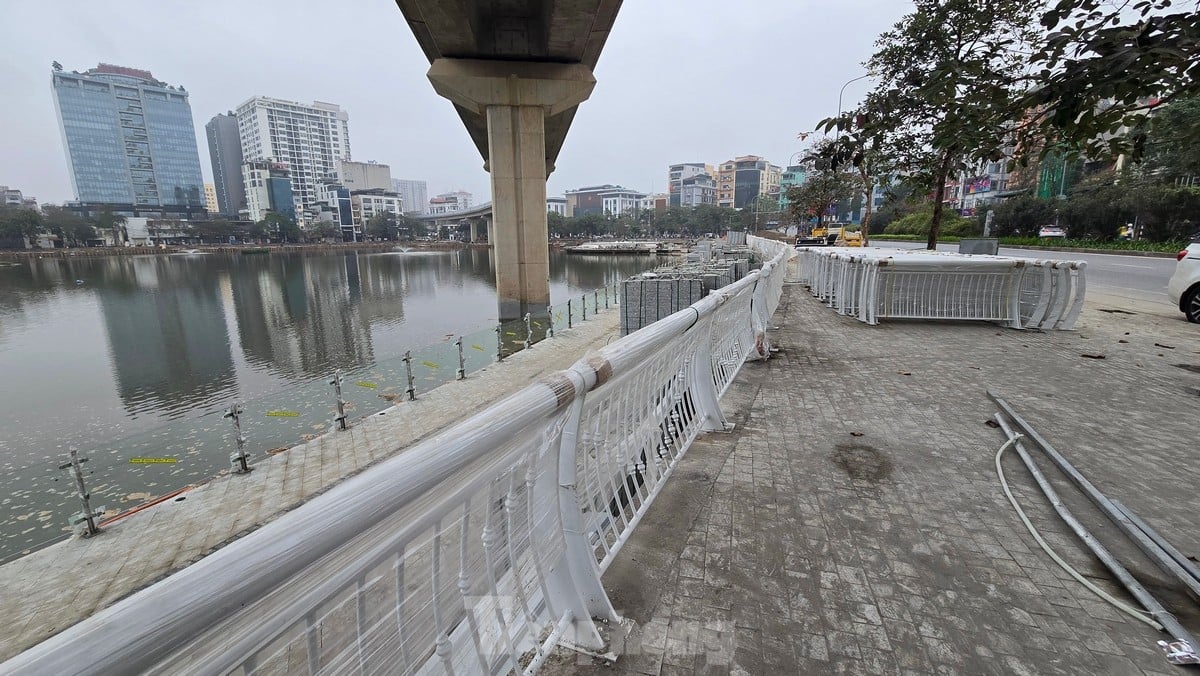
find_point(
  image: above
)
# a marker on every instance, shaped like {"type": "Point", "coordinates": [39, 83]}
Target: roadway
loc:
{"type": "Point", "coordinates": [1140, 278]}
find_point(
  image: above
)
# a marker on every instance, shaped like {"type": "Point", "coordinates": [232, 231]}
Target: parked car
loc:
{"type": "Point", "coordinates": [1052, 231]}
{"type": "Point", "coordinates": [1184, 287]}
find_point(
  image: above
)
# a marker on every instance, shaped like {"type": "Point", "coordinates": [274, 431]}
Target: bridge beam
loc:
{"type": "Point", "coordinates": [516, 98]}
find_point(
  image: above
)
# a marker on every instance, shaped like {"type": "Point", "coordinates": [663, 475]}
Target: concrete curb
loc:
{"type": "Point", "coordinates": [1110, 252]}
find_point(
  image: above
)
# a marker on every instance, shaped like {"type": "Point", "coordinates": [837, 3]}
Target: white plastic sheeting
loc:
{"type": "Point", "coordinates": [874, 284]}
{"type": "Point", "coordinates": [473, 552]}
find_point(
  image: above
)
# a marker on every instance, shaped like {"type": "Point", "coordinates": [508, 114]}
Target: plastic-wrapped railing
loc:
{"type": "Point", "coordinates": [874, 284]}
{"type": "Point", "coordinates": [473, 552]}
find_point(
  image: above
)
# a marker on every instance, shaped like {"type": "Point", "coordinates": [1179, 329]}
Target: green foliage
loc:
{"type": "Point", "coordinates": [20, 225]}
{"type": "Point", "coordinates": [919, 222]}
{"type": "Point", "coordinates": [383, 225]}
{"type": "Point", "coordinates": [67, 224]}
{"type": "Point", "coordinates": [826, 185]}
{"type": "Point", "coordinates": [278, 226]}
{"type": "Point", "coordinates": [1102, 245]}
{"type": "Point", "coordinates": [1162, 213]}
{"type": "Point", "coordinates": [1171, 151]}
{"type": "Point", "coordinates": [1103, 66]}
{"type": "Point", "coordinates": [945, 78]}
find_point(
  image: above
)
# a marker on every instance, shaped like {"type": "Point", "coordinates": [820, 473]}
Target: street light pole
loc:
{"type": "Point", "coordinates": [843, 91]}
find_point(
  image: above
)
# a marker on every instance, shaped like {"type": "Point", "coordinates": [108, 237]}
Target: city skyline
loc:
{"type": "Point", "coordinates": [650, 109]}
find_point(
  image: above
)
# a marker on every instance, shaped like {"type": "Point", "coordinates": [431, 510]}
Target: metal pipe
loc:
{"type": "Point", "coordinates": [1156, 610]}
{"type": "Point", "coordinates": [1183, 561]}
{"type": "Point", "coordinates": [412, 390]}
{"type": "Point", "coordinates": [1144, 543]}
{"type": "Point", "coordinates": [462, 364]}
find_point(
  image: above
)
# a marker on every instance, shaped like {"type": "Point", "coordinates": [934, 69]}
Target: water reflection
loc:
{"type": "Point", "coordinates": [167, 341]}
{"type": "Point", "coordinates": [148, 338]}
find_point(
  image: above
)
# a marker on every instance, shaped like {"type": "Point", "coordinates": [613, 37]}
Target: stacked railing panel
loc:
{"type": "Point", "coordinates": [875, 284]}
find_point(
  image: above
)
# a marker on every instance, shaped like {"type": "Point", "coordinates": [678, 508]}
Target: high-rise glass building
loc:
{"type": "Point", "coordinates": [312, 140]}
{"type": "Point", "coordinates": [129, 139]}
{"type": "Point", "coordinates": [225, 152]}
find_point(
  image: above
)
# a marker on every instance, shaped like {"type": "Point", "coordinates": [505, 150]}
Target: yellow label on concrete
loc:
{"type": "Point", "coordinates": [477, 347]}
{"type": "Point", "coordinates": [283, 414]}
{"type": "Point", "coordinates": [430, 364]}
{"type": "Point", "coordinates": [153, 461]}
{"type": "Point", "coordinates": [364, 383]}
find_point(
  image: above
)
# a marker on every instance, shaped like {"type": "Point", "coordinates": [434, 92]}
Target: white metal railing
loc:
{"type": "Point", "coordinates": [475, 551]}
{"type": "Point", "coordinates": [874, 284]}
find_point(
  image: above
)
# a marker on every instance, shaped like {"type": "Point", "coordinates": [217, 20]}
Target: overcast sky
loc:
{"type": "Point", "coordinates": [679, 80]}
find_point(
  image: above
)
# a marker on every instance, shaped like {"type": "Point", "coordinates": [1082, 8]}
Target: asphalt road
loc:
{"type": "Point", "coordinates": [1141, 278]}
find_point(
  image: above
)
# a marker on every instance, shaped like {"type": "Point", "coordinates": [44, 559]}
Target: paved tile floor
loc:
{"type": "Point", "coordinates": [853, 521]}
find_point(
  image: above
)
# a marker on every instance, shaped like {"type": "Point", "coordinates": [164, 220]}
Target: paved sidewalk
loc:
{"type": "Point", "coordinates": [853, 521]}
{"type": "Point", "coordinates": [69, 581]}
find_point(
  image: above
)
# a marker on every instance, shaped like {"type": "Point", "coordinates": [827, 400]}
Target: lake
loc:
{"type": "Point", "coordinates": [138, 356]}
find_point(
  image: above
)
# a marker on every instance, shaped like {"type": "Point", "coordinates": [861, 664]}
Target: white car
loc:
{"type": "Point", "coordinates": [1052, 231]}
{"type": "Point", "coordinates": [1184, 287]}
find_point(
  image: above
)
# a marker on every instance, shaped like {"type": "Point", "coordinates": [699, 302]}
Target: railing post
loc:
{"type": "Point", "coordinates": [583, 307]}
{"type": "Point", "coordinates": [759, 319]}
{"type": "Point", "coordinates": [87, 516]}
{"type": "Point", "coordinates": [412, 390]}
{"type": "Point", "coordinates": [575, 583]}
{"type": "Point", "coordinates": [703, 386]}
{"type": "Point", "coordinates": [596, 301]}
{"type": "Point", "coordinates": [237, 460]}
{"type": "Point", "coordinates": [528, 331]}
{"type": "Point", "coordinates": [336, 381]}
{"type": "Point", "coordinates": [461, 374]}
{"type": "Point", "coordinates": [550, 314]}
{"type": "Point", "coordinates": [569, 313]}
{"type": "Point", "coordinates": [499, 342]}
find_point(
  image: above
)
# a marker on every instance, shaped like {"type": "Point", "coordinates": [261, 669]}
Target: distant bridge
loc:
{"type": "Point", "coordinates": [473, 218]}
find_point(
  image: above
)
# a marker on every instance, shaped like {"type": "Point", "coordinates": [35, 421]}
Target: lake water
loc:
{"type": "Point", "coordinates": [138, 356]}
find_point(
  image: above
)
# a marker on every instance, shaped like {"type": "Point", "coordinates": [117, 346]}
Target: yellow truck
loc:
{"type": "Point", "coordinates": [830, 236]}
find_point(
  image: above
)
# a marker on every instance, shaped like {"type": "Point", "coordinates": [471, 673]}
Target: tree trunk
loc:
{"type": "Point", "coordinates": [939, 192]}
{"type": "Point", "coordinates": [866, 220]}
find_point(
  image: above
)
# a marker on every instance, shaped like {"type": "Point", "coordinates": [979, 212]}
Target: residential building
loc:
{"type": "Point", "coordinates": [335, 206]}
{"type": "Point", "coordinates": [694, 191]}
{"type": "Point", "coordinates": [367, 203]}
{"type": "Point", "coordinates": [795, 175]}
{"type": "Point", "coordinates": [129, 139]}
{"type": "Point", "coordinates": [310, 139]}
{"type": "Point", "coordinates": [365, 175]}
{"type": "Point", "coordinates": [556, 205]}
{"type": "Point", "coordinates": [606, 200]}
{"type": "Point", "coordinates": [450, 202]}
{"type": "Point", "coordinates": [268, 187]}
{"type": "Point", "coordinates": [225, 153]}
{"type": "Point", "coordinates": [415, 195]}
{"type": "Point", "coordinates": [678, 173]}
{"type": "Point", "coordinates": [11, 197]}
{"type": "Point", "coordinates": [980, 185]}
{"type": "Point", "coordinates": [210, 198]}
{"type": "Point", "coordinates": [740, 181]}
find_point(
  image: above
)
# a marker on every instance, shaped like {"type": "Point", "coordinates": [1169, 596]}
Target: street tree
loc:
{"type": "Point", "coordinates": [383, 225]}
{"type": "Point", "coordinates": [1171, 156]}
{"type": "Point", "coordinates": [20, 225]}
{"type": "Point", "coordinates": [828, 181]}
{"type": "Point", "coordinates": [946, 80]}
{"type": "Point", "coordinates": [113, 225]}
{"type": "Point", "coordinates": [1102, 68]}
{"type": "Point", "coordinates": [68, 225]}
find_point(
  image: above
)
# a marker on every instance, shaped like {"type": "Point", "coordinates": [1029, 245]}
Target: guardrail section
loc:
{"type": "Point", "coordinates": [473, 552]}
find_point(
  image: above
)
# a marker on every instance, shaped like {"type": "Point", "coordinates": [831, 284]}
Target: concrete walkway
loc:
{"type": "Point", "coordinates": [853, 521]}
{"type": "Point", "coordinates": [51, 589]}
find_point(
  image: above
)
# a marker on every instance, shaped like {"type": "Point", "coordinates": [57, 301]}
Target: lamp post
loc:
{"type": "Point", "coordinates": [840, 93]}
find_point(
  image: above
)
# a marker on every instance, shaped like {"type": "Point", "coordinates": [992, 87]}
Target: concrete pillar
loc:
{"type": "Point", "coordinates": [474, 225]}
{"type": "Point", "coordinates": [516, 98]}
{"type": "Point", "coordinates": [491, 230]}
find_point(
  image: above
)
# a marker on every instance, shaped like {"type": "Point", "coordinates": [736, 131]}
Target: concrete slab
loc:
{"type": "Point", "coordinates": [853, 521]}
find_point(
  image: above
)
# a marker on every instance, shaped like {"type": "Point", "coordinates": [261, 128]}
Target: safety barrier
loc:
{"type": "Point", "coordinates": [874, 284]}
{"type": "Point", "coordinates": [475, 551]}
